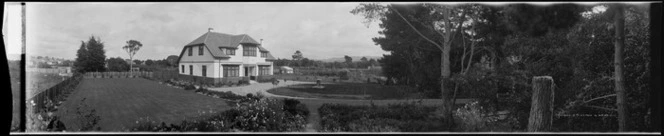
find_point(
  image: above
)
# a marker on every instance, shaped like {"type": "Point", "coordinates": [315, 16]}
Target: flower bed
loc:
{"type": "Point", "coordinates": [254, 116]}
{"type": "Point", "coordinates": [405, 117]}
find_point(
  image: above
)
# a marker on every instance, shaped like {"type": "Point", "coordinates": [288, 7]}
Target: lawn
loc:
{"type": "Point", "coordinates": [345, 91]}
{"type": "Point", "coordinates": [120, 102]}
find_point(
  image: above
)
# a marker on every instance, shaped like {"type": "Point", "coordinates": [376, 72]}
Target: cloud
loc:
{"type": "Point", "coordinates": [320, 30]}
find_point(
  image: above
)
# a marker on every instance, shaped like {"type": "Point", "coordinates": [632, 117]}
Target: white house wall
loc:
{"type": "Point", "coordinates": [215, 66]}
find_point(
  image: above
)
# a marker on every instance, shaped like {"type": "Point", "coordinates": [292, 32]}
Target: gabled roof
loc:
{"type": "Point", "coordinates": [214, 41]}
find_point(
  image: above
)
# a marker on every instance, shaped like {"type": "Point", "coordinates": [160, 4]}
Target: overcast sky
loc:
{"type": "Point", "coordinates": [319, 30]}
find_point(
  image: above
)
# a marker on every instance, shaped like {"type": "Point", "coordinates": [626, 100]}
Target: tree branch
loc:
{"type": "Point", "coordinates": [415, 29]}
{"type": "Point", "coordinates": [599, 98]}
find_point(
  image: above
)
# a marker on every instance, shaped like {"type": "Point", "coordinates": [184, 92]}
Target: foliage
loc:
{"type": "Point", "coordinates": [87, 120]}
{"type": "Point", "coordinates": [403, 117]}
{"type": "Point", "coordinates": [224, 95]}
{"type": "Point", "coordinates": [91, 56]}
{"type": "Point", "coordinates": [117, 64]}
{"type": "Point", "coordinates": [255, 116]}
{"type": "Point", "coordinates": [295, 107]}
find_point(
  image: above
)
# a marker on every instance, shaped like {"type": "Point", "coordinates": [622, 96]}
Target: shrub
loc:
{"type": "Point", "coordinates": [294, 107]}
{"type": "Point", "coordinates": [262, 115]}
{"type": "Point", "coordinates": [189, 87]}
{"type": "Point", "coordinates": [407, 117]}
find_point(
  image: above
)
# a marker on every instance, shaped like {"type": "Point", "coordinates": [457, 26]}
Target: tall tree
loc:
{"type": "Point", "coordinates": [81, 58]}
{"type": "Point", "coordinates": [445, 22]}
{"type": "Point", "coordinates": [132, 47]}
{"type": "Point", "coordinates": [618, 76]}
{"type": "Point", "coordinates": [96, 55]}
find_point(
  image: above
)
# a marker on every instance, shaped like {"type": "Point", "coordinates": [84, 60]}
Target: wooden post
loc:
{"type": "Point", "coordinates": [541, 110]}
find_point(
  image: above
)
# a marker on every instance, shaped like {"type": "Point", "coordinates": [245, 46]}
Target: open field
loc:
{"type": "Point", "coordinates": [120, 102]}
{"type": "Point", "coordinates": [345, 91]}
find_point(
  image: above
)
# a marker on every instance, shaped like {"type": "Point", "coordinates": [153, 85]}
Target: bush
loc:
{"type": "Point", "coordinates": [262, 115]}
{"type": "Point", "coordinates": [294, 107]}
{"type": "Point", "coordinates": [406, 117]}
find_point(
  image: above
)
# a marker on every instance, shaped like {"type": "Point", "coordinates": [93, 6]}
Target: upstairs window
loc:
{"type": "Point", "coordinates": [200, 50]}
{"type": "Point", "coordinates": [182, 69]}
{"type": "Point", "coordinates": [249, 51]}
{"type": "Point", "coordinates": [230, 51]}
{"type": "Point", "coordinates": [263, 54]}
{"type": "Point", "coordinates": [190, 50]}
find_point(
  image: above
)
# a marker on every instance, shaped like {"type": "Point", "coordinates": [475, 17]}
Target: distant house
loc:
{"type": "Point", "coordinates": [286, 70]}
{"type": "Point", "coordinates": [218, 56]}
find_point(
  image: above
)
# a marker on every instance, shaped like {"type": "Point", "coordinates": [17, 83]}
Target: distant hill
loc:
{"type": "Point", "coordinates": [355, 58]}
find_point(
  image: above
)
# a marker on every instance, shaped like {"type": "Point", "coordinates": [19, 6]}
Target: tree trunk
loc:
{"type": "Point", "coordinates": [619, 24]}
{"type": "Point", "coordinates": [541, 110]}
{"type": "Point", "coordinates": [448, 103]}
{"type": "Point", "coordinates": [131, 66]}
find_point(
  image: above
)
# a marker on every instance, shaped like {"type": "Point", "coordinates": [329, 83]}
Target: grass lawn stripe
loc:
{"type": "Point", "coordinates": [121, 101]}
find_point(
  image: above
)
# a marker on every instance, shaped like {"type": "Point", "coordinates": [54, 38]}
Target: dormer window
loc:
{"type": "Point", "coordinates": [263, 54]}
{"type": "Point", "coordinates": [230, 51]}
{"type": "Point", "coordinates": [190, 50]}
{"type": "Point", "coordinates": [249, 51]}
{"type": "Point", "coordinates": [200, 50]}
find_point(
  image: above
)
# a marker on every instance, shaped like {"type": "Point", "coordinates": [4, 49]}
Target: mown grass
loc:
{"type": "Point", "coordinates": [121, 101]}
{"type": "Point", "coordinates": [345, 91]}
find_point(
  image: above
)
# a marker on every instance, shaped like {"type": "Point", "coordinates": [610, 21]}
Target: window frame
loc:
{"type": "Point", "coordinates": [182, 69]}
{"type": "Point", "coordinates": [190, 50]}
{"type": "Point", "coordinates": [263, 54]}
{"type": "Point", "coordinates": [231, 70]}
{"type": "Point", "coordinates": [230, 51]}
{"type": "Point", "coordinates": [191, 70]}
{"type": "Point", "coordinates": [249, 50]}
{"type": "Point", "coordinates": [204, 71]}
{"type": "Point", "coordinates": [263, 70]}
{"type": "Point", "coordinates": [200, 50]}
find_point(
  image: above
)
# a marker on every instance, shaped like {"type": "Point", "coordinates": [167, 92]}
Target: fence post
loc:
{"type": "Point", "coordinates": [541, 110]}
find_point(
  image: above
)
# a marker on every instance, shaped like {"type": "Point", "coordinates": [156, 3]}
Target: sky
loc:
{"type": "Point", "coordinates": [318, 30]}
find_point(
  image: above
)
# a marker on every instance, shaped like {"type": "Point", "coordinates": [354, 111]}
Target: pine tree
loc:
{"type": "Point", "coordinates": [96, 55]}
{"type": "Point", "coordinates": [81, 58]}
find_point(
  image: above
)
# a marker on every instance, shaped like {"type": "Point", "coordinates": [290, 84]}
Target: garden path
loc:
{"type": "Point", "coordinates": [314, 103]}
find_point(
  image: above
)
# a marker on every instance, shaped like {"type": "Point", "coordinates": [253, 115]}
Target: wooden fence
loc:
{"type": "Point", "coordinates": [117, 74]}
{"type": "Point", "coordinates": [46, 100]}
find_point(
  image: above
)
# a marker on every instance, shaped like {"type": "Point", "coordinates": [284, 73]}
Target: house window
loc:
{"type": "Point", "coordinates": [190, 50]}
{"type": "Point", "coordinates": [231, 71]}
{"type": "Point", "coordinates": [191, 70]}
{"type": "Point", "coordinates": [263, 70]}
{"type": "Point", "coordinates": [182, 69]}
{"type": "Point", "coordinates": [200, 50]}
{"type": "Point", "coordinates": [249, 51]}
{"type": "Point", "coordinates": [230, 51]}
{"type": "Point", "coordinates": [204, 70]}
{"type": "Point", "coordinates": [263, 54]}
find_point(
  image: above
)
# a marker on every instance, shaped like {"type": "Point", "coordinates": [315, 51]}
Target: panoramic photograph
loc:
{"type": "Point", "coordinates": [335, 67]}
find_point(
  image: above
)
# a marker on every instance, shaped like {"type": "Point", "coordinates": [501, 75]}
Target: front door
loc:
{"type": "Point", "coordinates": [249, 71]}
